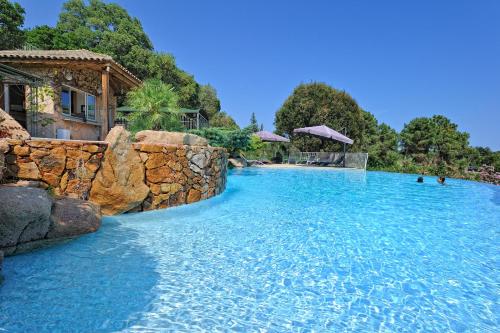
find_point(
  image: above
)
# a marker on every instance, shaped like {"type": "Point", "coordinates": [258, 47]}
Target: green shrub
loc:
{"type": "Point", "coordinates": [233, 140]}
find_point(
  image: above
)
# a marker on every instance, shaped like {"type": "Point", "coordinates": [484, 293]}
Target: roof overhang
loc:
{"type": "Point", "coordinates": [116, 70]}
{"type": "Point", "coordinates": [15, 75]}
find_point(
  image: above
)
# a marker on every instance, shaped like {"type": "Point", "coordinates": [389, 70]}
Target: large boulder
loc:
{"type": "Point", "coordinates": [174, 138]}
{"type": "Point", "coordinates": [72, 217]}
{"type": "Point", "coordinates": [10, 128]}
{"type": "Point", "coordinates": [24, 215]}
{"type": "Point", "coordinates": [119, 184]}
{"type": "Point", "coordinates": [488, 174]}
{"type": "Point", "coordinates": [238, 162]}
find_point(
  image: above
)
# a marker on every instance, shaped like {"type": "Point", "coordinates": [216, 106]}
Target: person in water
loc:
{"type": "Point", "coordinates": [420, 179]}
{"type": "Point", "coordinates": [441, 180]}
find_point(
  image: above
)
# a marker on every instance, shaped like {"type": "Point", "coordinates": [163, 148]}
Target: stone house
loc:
{"type": "Point", "coordinates": [77, 96]}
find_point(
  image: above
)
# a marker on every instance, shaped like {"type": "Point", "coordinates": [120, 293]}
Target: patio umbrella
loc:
{"type": "Point", "coordinates": [271, 137]}
{"type": "Point", "coordinates": [326, 132]}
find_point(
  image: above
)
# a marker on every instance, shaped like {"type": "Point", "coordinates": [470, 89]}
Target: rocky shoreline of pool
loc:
{"type": "Point", "coordinates": [55, 190]}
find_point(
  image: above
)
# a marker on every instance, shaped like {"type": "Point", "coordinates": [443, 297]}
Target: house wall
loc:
{"type": "Point", "coordinates": [50, 117]}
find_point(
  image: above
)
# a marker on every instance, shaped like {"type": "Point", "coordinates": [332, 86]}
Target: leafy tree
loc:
{"type": "Point", "coordinates": [255, 143]}
{"type": "Point", "coordinates": [434, 140]}
{"type": "Point", "coordinates": [370, 131]}
{"type": "Point", "coordinates": [101, 27]}
{"type": "Point", "coordinates": [254, 126]}
{"type": "Point", "coordinates": [11, 21]}
{"type": "Point", "coordinates": [261, 127]}
{"type": "Point", "coordinates": [317, 104]}
{"type": "Point", "coordinates": [42, 37]}
{"type": "Point", "coordinates": [384, 151]}
{"type": "Point", "coordinates": [479, 156]}
{"type": "Point", "coordinates": [380, 141]}
{"type": "Point", "coordinates": [156, 107]}
{"type": "Point", "coordinates": [223, 120]}
{"type": "Point", "coordinates": [208, 100]}
{"type": "Point", "coordinates": [108, 28]}
{"type": "Point", "coordinates": [162, 66]}
{"type": "Point", "coordinates": [449, 144]}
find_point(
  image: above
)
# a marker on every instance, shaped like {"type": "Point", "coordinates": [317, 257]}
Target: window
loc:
{"type": "Point", "coordinates": [78, 104]}
{"type": "Point", "coordinates": [66, 101]}
{"type": "Point", "coordinates": [90, 107]}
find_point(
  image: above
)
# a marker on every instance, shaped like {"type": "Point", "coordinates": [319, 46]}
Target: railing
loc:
{"type": "Point", "coordinates": [193, 121]}
{"type": "Point", "coordinates": [348, 160]}
{"type": "Point", "coordinates": [188, 121]}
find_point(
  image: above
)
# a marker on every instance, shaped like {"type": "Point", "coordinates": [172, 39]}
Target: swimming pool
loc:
{"type": "Point", "coordinates": [280, 250]}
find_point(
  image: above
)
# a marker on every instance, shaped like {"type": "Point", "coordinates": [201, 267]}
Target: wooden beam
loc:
{"type": "Point", "coordinates": [105, 125]}
{"type": "Point", "coordinates": [6, 98]}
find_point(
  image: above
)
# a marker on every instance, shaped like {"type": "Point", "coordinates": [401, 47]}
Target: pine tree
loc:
{"type": "Point", "coordinates": [254, 125]}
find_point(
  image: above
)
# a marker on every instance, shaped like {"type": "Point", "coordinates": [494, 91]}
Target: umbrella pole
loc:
{"type": "Point", "coordinates": [344, 156]}
{"type": "Point", "coordinates": [345, 133]}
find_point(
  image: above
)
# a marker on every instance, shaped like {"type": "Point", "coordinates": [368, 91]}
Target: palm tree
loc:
{"type": "Point", "coordinates": [155, 105]}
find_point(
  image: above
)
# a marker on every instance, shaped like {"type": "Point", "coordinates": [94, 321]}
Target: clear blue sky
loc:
{"type": "Point", "coordinates": [398, 59]}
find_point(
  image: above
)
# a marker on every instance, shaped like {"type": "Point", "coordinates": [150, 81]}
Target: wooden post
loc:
{"type": "Point", "coordinates": [6, 98]}
{"type": "Point", "coordinates": [105, 102]}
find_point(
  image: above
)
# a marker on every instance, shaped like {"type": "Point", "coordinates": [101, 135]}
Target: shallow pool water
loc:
{"type": "Point", "coordinates": [279, 251]}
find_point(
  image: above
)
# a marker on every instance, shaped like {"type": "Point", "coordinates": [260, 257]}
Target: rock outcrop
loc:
{"type": "Point", "coordinates": [119, 185]}
{"type": "Point", "coordinates": [488, 174]}
{"type": "Point", "coordinates": [24, 215]}
{"type": "Point", "coordinates": [30, 218]}
{"type": "Point", "coordinates": [73, 217]}
{"type": "Point", "coordinates": [238, 162]}
{"type": "Point", "coordinates": [171, 138]}
{"type": "Point", "coordinates": [4, 148]}
{"type": "Point", "coordinates": [10, 128]}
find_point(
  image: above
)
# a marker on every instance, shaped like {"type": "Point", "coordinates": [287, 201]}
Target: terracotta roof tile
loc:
{"type": "Point", "coordinates": [84, 55]}
{"type": "Point", "coordinates": [55, 54]}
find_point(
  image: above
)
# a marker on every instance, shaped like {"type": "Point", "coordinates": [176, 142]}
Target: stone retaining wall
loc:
{"type": "Point", "coordinates": [174, 174]}
{"type": "Point", "coordinates": [179, 174]}
{"type": "Point", "coordinates": [67, 167]}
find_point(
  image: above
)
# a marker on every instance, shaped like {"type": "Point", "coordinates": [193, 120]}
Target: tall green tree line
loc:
{"type": "Point", "coordinates": [431, 145]}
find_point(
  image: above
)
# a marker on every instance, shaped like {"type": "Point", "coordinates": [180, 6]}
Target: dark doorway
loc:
{"type": "Point", "coordinates": [17, 99]}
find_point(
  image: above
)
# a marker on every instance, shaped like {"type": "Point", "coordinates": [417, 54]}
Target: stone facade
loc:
{"type": "Point", "coordinates": [179, 174]}
{"type": "Point", "coordinates": [174, 174]}
{"type": "Point", "coordinates": [67, 167]}
{"type": "Point", "coordinates": [49, 117]}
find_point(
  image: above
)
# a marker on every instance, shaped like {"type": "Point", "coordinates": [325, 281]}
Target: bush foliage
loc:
{"type": "Point", "coordinates": [233, 140]}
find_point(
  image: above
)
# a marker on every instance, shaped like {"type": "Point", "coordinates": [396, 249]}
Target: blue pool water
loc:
{"type": "Point", "coordinates": [279, 251]}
